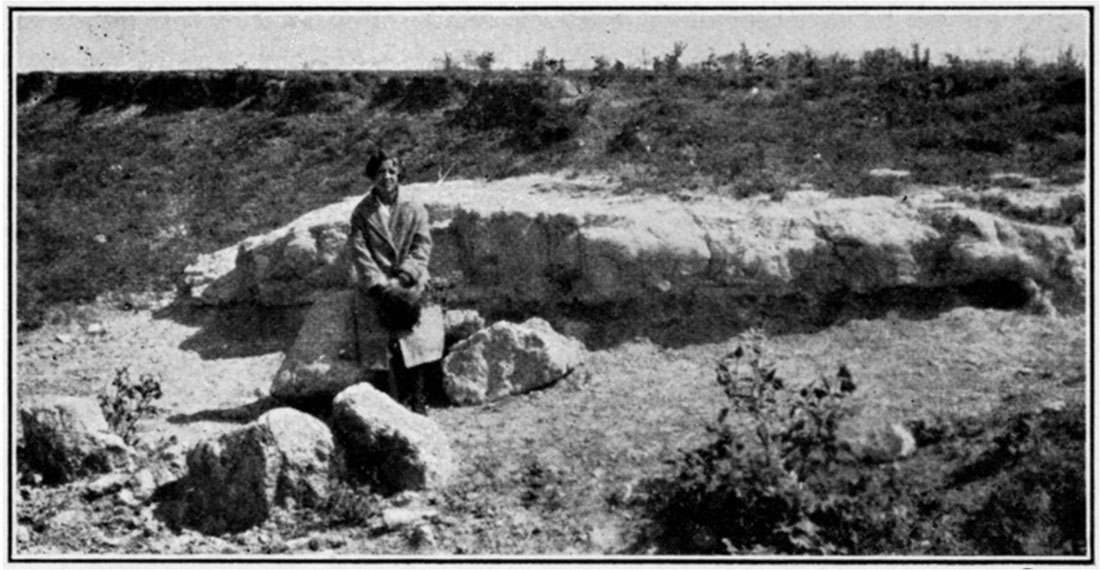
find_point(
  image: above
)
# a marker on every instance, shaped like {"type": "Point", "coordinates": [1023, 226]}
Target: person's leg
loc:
{"type": "Point", "coordinates": [398, 374]}
{"type": "Point", "coordinates": [417, 395]}
{"type": "Point", "coordinates": [407, 384]}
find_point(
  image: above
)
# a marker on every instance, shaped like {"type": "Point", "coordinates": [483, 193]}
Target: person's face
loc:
{"type": "Point", "coordinates": [385, 181]}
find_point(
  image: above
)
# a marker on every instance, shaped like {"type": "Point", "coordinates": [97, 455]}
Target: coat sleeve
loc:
{"type": "Point", "coordinates": [420, 252]}
{"type": "Point", "coordinates": [367, 272]}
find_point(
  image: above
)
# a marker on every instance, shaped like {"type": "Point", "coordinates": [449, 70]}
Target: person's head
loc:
{"type": "Point", "coordinates": [384, 171]}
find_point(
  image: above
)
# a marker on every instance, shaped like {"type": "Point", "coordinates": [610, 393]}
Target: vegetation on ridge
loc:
{"type": "Point", "coordinates": [122, 178]}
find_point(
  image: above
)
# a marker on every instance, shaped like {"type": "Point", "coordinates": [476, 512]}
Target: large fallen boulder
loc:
{"type": "Point", "coordinates": [508, 358]}
{"type": "Point", "coordinates": [314, 367]}
{"type": "Point", "coordinates": [539, 241]}
{"type": "Point", "coordinates": [387, 446]}
{"type": "Point", "coordinates": [321, 362]}
{"type": "Point", "coordinates": [234, 481]}
{"type": "Point", "coordinates": [65, 438]}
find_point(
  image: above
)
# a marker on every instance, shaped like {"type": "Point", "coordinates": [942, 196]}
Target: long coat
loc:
{"type": "Point", "coordinates": [377, 251]}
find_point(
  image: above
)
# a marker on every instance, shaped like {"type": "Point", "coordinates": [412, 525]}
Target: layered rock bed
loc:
{"type": "Point", "coordinates": [539, 245]}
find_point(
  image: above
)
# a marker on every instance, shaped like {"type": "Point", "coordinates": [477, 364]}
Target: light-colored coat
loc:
{"type": "Point", "coordinates": [377, 251]}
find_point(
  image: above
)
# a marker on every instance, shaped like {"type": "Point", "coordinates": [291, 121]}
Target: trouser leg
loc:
{"type": "Point", "coordinates": [418, 401]}
{"type": "Point", "coordinates": [398, 372]}
{"type": "Point", "coordinates": [407, 384]}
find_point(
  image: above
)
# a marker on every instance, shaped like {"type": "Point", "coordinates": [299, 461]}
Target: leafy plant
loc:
{"type": "Point", "coordinates": [129, 401]}
{"type": "Point", "coordinates": [1036, 501]}
{"type": "Point", "coordinates": [776, 477]}
{"type": "Point", "coordinates": [350, 505]}
{"type": "Point", "coordinates": [541, 486]}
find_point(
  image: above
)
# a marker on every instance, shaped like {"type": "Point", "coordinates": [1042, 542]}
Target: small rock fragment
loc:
{"type": "Point", "coordinates": [68, 517]}
{"type": "Point", "coordinates": [399, 517]}
{"type": "Point", "coordinates": [1053, 405]}
{"type": "Point", "coordinates": [105, 485]}
{"type": "Point", "coordinates": [126, 497]}
{"type": "Point", "coordinates": [144, 483]}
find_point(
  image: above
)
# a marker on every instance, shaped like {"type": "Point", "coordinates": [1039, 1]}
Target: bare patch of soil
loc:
{"type": "Point", "coordinates": [551, 472]}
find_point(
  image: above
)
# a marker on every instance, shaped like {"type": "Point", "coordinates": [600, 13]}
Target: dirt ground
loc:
{"type": "Point", "coordinates": [546, 473]}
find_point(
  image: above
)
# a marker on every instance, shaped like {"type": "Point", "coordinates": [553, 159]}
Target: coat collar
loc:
{"type": "Point", "coordinates": [374, 219]}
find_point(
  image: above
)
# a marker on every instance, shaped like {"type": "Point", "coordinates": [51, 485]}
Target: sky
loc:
{"type": "Point", "coordinates": [392, 39]}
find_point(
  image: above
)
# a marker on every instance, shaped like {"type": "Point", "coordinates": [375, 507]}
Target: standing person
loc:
{"type": "Point", "coordinates": [390, 245]}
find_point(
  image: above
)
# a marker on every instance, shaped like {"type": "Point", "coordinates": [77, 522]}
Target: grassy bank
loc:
{"type": "Point", "coordinates": [123, 178]}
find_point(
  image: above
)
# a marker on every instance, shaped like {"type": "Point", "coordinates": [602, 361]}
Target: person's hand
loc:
{"type": "Point", "coordinates": [405, 278]}
{"type": "Point", "coordinates": [392, 284]}
{"type": "Point", "coordinates": [387, 287]}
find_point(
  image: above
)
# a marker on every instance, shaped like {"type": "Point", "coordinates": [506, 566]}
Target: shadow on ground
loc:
{"type": "Point", "coordinates": [237, 415]}
{"type": "Point", "coordinates": [237, 331]}
{"type": "Point", "coordinates": [697, 317]}
{"type": "Point", "coordinates": [703, 317]}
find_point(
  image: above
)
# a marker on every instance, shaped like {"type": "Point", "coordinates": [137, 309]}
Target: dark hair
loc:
{"type": "Point", "coordinates": [374, 163]}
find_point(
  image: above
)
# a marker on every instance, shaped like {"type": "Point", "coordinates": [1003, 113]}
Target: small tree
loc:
{"type": "Point", "coordinates": [538, 65]}
{"type": "Point", "coordinates": [556, 66]}
{"type": "Point", "coordinates": [448, 63]}
{"type": "Point", "coordinates": [672, 64]}
{"type": "Point", "coordinates": [600, 65]}
{"type": "Point", "coordinates": [1067, 61]}
{"type": "Point", "coordinates": [745, 59]}
{"type": "Point", "coordinates": [711, 66]}
{"type": "Point", "coordinates": [483, 61]}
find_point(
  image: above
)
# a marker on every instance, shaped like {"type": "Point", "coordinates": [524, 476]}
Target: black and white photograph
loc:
{"type": "Point", "coordinates": [405, 283]}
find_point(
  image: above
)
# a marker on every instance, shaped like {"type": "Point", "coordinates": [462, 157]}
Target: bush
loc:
{"type": "Point", "coordinates": [30, 85]}
{"type": "Point", "coordinates": [416, 95]}
{"type": "Point", "coordinates": [524, 109]}
{"type": "Point", "coordinates": [1037, 498]}
{"type": "Point", "coordinates": [776, 479]}
{"type": "Point", "coordinates": [130, 401]}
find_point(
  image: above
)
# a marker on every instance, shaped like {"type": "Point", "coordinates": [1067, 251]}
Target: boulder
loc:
{"type": "Point", "coordinates": [506, 359]}
{"type": "Point", "coordinates": [537, 241]}
{"type": "Point", "coordinates": [235, 481]}
{"type": "Point", "coordinates": [320, 363]}
{"type": "Point", "coordinates": [460, 324]}
{"type": "Point", "coordinates": [65, 438]}
{"type": "Point", "coordinates": [313, 367]}
{"type": "Point", "coordinates": [885, 443]}
{"type": "Point", "coordinates": [889, 173]}
{"type": "Point", "coordinates": [105, 485]}
{"type": "Point", "coordinates": [1014, 180]}
{"type": "Point", "coordinates": [386, 445]}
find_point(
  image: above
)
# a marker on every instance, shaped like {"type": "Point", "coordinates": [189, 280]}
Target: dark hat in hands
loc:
{"type": "Point", "coordinates": [399, 308]}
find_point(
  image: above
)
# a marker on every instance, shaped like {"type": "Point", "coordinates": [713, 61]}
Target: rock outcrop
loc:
{"type": "Point", "coordinates": [540, 241]}
{"type": "Point", "coordinates": [506, 359]}
{"type": "Point", "coordinates": [65, 438]}
{"type": "Point", "coordinates": [236, 480]}
{"type": "Point", "coordinates": [386, 445]}
{"type": "Point", "coordinates": [321, 364]}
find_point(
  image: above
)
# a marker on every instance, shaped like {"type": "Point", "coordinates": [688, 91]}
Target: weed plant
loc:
{"type": "Point", "coordinates": [776, 478]}
{"type": "Point", "coordinates": [128, 401]}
